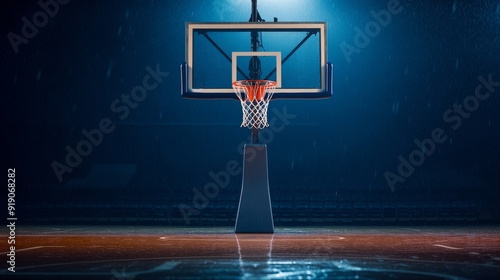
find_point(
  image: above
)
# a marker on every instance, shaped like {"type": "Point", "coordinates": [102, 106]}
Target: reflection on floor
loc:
{"type": "Point", "coordinates": [134, 252]}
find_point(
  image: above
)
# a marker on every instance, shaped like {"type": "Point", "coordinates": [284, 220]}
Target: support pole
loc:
{"type": "Point", "coordinates": [255, 67]}
{"type": "Point", "coordinates": [255, 214]}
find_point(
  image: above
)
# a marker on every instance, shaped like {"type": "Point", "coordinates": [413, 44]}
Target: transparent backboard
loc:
{"type": "Point", "coordinates": [292, 54]}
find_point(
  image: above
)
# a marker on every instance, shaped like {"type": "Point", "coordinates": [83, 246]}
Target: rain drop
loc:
{"type": "Point", "coordinates": [110, 70]}
{"type": "Point", "coordinates": [395, 107]}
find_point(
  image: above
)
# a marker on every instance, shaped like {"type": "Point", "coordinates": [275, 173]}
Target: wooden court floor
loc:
{"type": "Point", "coordinates": [142, 252]}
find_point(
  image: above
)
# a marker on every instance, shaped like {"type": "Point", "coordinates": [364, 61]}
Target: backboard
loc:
{"type": "Point", "coordinates": [293, 54]}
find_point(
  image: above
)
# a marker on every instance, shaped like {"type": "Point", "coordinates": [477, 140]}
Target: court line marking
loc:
{"type": "Point", "coordinates": [167, 238]}
{"type": "Point", "coordinates": [447, 247]}
{"type": "Point", "coordinates": [164, 266]}
{"type": "Point", "coordinates": [61, 230]}
{"type": "Point", "coordinates": [34, 248]}
{"type": "Point", "coordinates": [413, 229]}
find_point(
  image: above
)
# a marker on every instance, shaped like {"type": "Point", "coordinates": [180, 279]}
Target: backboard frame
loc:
{"type": "Point", "coordinates": [326, 68]}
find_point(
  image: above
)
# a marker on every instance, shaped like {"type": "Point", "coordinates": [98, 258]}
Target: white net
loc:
{"type": "Point", "coordinates": [254, 96]}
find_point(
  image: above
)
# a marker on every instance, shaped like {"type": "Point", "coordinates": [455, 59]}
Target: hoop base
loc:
{"type": "Point", "coordinates": [255, 214]}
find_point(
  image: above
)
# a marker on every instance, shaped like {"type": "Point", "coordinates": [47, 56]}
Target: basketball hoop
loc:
{"type": "Point", "coordinates": [254, 96]}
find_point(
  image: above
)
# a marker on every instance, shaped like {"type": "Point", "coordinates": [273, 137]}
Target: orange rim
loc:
{"type": "Point", "coordinates": [255, 89]}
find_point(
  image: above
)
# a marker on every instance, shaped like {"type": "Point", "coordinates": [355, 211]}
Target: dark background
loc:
{"type": "Point", "coordinates": [326, 167]}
